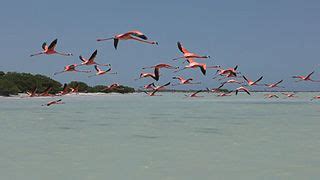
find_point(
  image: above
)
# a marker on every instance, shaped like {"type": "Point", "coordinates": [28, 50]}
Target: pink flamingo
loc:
{"type": "Point", "coordinates": [75, 89]}
{"type": "Point", "coordinates": [305, 78]}
{"type": "Point", "coordinates": [46, 92]}
{"type": "Point", "coordinates": [65, 90]}
{"type": "Point", "coordinates": [194, 95]}
{"type": "Point", "coordinates": [101, 72]}
{"type": "Point", "coordinates": [156, 89]}
{"type": "Point", "coordinates": [274, 84]}
{"type": "Point", "coordinates": [187, 54]}
{"type": "Point", "coordinates": [149, 86]}
{"type": "Point", "coordinates": [184, 81]}
{"type": "Point", "coordinates": [315, 97]}
{"type": "Point", "coordinates": [159, 66]}
{"type": "Point", "coordinates": [289, 95]}
{"type": "Point", "coordinates": [230, 72]}
{"type": "Point", "coordinates": [232, 81]}
{"type": "Point", "coordinates": [51, 49]}
{"type": "Point", "coordinates": [111, 87]}
{"type": "Point", "coordinates": [215, 90]}
{"type": "Point", "coordinates": [59, 101]}
{"type": "Point", "coordinates": [154, 75]}
{"type": "Point", "coordinates": [71, 68]}
{"type": "Point", "coordinates": [252, 83]}
{"type": "Point", "coordinates": [134, 35]}
{"type": "Point", "coordinates": [91, 61]}
{"type": "Point", "coordinates": [271, 96]}
{"type": "Point", "coordinates": [33, 92]}
{"type": "Point", "coordinates": [192, 64]}
{"type": "Point", "coordinates": [224, 94]}
{"type": "Point", "coordinates": [242, 89]}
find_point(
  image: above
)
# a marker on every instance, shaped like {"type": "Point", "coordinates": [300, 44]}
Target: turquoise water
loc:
{"type": "Point", "coordinates": [160, 138]}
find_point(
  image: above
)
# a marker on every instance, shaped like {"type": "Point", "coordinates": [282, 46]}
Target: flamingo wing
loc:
{"type": "Point", "coordinates": [115, 42]}
{"type": "Point", "coordinates": [82, 59]}
{"type": "Point", "coordinates": [94, 54]}
{"type": "Point", "coordinates": [309, 75]}
{"type": "Point", "coordinates": [258, 80]}
{"type": "Point", "coordinates": [138, 34]}
{"type": "Point", "coordinates": [53, 44]}
{"type": "Point", "coordinates": [44, 46]}
{"type": "Point", "coordinates": [181, 48]}
{"type": "Point", "coordinates": [245, 79]}
{"type": "Point", "coordinates": [279, 82]}
{"type": "Point", "coordinates": [97, 68]}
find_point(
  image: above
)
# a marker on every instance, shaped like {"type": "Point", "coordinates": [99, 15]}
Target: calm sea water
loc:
{"type": "Point", "coordinates": [135, 137]}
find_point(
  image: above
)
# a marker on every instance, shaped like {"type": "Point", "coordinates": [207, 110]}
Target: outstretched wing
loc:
{"type": "Point", "coordinates": [94, 54]}
{"type": "Point", "coordinates": [97, 68]}
{"type": "Point", "coordinates": [181, 48]}
{"type": "Point", "coordinates": [258, 80]}
{"type": "Point", "coordinates": [82, 59]}
{"type": "Point", "coordinates": [138, 34]}
{"type": "Point", "coordinates": [245, 78]}
{"type": "Point", "coordinates": [309, 75]}
{"type": "Point", "coordinates": [115, 42]}
{"type": "Point", "coordinates": [279, 82]}
{"type": "Point", "coordinates": [53, 44]}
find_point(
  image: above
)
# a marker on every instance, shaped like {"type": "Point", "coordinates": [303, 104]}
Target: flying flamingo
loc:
{"type": "Point", "coordinates": [65, 90]}
{"type": "Point", "coordinates": [215, 90]}
{"type": "Point", "coordinates": [231, 81]}
{"type": "Point", "coordinates": [46, 92]}
{"type": "Point", "coordinates": [149, 86]}
{"type": "Point", "coordinates": [184, 81]}
{"type": "Point", "coordinates": [194, 95]}
{"type": "Point", "coordinates": [75, 89]}
{"type": "Point", "coordinates": [289, 95]}
{"type": "Point", "coordinates": [187, 54]}
{"type": "Point", "coordinates": [168, 66]}
{"type": "Point", "coordinates": [111, 87]}
{"type": "Point", "coordinates": [271, 96]}
{"type": "Point", "coordinates": [51, 49]}
{"type": "Point", "coordinates": [71, 68]}
{"type": "Point", "coordinates": [274, 84]}
{"type": "Point", "coordinates": [305, 78]}
{"type": "Point", "coordinates": [154, 75]}
{"type": "Point", "coordinates": [91, 61]}
{"type": "Point", "coordinates": [224, 94]}
{"type": "Point", "coordinates": [59, 101]}
{"type": "Point", "coordinates": [156, 89]}
{"type": "Point", "coordinates": [230, 72]}
{"type": "Point", "coordinates": [192, 64]}
{"type": "Point", "coordinates": [134, 35]}
{"type": "Point", "coordinates": [252, 83]}
{"type": "Point", "coordinates": [33, 92]}
{"type": "Point", "coordinates": [242, 89]}
{"type": "Point", "coordinates": [315, 97]}
{"type": "Point", "coordinates": [101, 72]}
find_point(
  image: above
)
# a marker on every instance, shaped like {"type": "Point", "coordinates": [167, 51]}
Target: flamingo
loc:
{"type": "Point", "coordinates": [230, 72]}
{"type": "Point", "coordinates": [65, 90]}
{"type": "Point", "coordinates": [187, 54]}
{"type": "Point", "coordinates": [111, 87]}
{"type": "Point", "coordinates": [71, 67]}
{"type": "Point", "coordinates": [32, 92]}
{"type": "Point", "coordinates": [194, 95]}
{"type": "Point", "coordinates": [59, 101]}
{"type": "Point", "coordinates": [91, 61]}
{"type": "Point", "coordinates": [193, 64]}
{"type": "Point", "coordinates": [224, 94]}
{"type": "Point", "coordinates": [157, 88]}
{"type": "Point", "coordinates": [168, 66]}
{"type": "Point", "coordinates": [289, 95]}
{"type": "Point", "coordinates": [215, 90]}
{"type": "Point", "coordinates": [149, 86]}
{"type": "Point", "coordinates": [231, 81]}
{"type": "Point", "coordinates": [101, 72]}
{"type": "Point", "coordinates": [134, 35]}
{"type": "Point", "coordinates": [75, 89]}
{"type": "Point", "coordinates": [305, 78]}
{"type": "Point", "coordinates": [252, 83]}
{"type": "Point", "coordinates": [51, 49]}
{"type": "Point", "coordinates": [184, 81]}
{"type": "Point", "coordinates": [315, 97]}
{"type": "Point", "coordinates": [271, 96]}
{"type": "Point", "coordinates": [154, 75]}
{"type": "Point", "coordinates": [273, 85]}
{"type": "Point", "coordinates": [46, 92]}
{"type": "Point", "coordinates": [242, 89]}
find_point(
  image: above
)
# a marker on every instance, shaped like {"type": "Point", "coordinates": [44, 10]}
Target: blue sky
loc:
{"type": "Point", "coordinates": [276, 38]}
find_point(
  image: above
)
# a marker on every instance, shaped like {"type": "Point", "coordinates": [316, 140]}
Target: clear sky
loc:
{"type": "Point", "coordinates": [275, 38]}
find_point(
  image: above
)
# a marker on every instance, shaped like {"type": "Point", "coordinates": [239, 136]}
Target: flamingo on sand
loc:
{"type": "Point", "coordinates": [71, 68]}
{"type": "Point", "coordinates": [305, 78]}
{"type": "Point", "coordinates": [91, 61]}
{"type": "Point", "coordinates": [51, 49]}
{"type": "Point", "coordinates": [59, 101]}
{"type": "Point", "coordinates": [134, 35]}
{"type": "Point", "coordinates": [101, 72]}
{"type": "Point", "coordinates": [156, 89]}
{"type": "Point", "coordinates": [187, 54]}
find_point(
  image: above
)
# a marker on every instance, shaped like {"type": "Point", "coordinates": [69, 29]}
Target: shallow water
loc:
{"type": "Point", "coordinates": [160, 138]}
